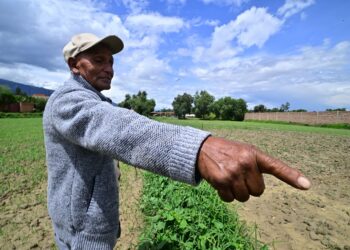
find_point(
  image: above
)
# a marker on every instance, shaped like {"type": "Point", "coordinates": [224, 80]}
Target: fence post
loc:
{"type": "Point", "coordinates": [338, 116]}
{"type": "Point", "coordinates": [317, 117]}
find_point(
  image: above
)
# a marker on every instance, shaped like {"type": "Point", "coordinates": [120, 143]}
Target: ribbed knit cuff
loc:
{"type": "Point", "coordinates": [86, 241]}
{"type": "Point", "coordinates": [102, 242]}
{"type": "Point", "coordinates": [184, 155]}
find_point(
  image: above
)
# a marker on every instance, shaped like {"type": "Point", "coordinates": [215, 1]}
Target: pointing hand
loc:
{"type": "Point", "coordinates": [235, 169]}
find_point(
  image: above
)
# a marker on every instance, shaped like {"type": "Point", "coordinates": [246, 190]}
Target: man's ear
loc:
{"type": "Point", "coordinates": [72, 63]}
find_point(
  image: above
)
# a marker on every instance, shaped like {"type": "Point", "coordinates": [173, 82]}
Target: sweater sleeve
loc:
{"type": "Point", "coordinates": [169, 150]}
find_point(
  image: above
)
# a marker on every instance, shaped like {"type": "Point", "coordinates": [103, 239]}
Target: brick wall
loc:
{"type": "Point", "coordinates": [26, 107]}
{"type": "Point", "coordinates": [302, 117]}
{"type": "Point", "coordinates": [22, 107]}
{"type": "Point", "coordinates": [12, 107]}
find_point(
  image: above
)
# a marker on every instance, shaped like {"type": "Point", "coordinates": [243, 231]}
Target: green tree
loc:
{"type": "Point", "coordinates": [223, 108]}
{"type": "Point", "coordinates": [202, 102]}
{"type": "Point", "coordinates": [285, 107]}
{"type": "Point", "coordinates": [6, 96]}
{"type": "Point", "coordinates": [260, 108]}
{"type": "Point", "coordinates": [139, 103]}
{"type": "Point", "coordinates": [273, 110]}
{"type": "Point", "coordinates": [299, 110]}
{"type": "Point", "coordinates": [228, 108]}
{"type": "Point", "coordinates": [182, 105]}
{"type": "Point", "coordinates": [126, 103]}
{"type": "Point", "coordinates": [166, 110]}
{"type": "Point", "coordinates": [337, 109]}
{"type": "Point", "coordinates": [39, 104]}
{"type": "Point", "coordinates": [239, 110]}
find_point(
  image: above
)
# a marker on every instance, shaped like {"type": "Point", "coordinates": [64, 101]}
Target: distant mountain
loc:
{"type": "Point", "coordinates": [28, 89]}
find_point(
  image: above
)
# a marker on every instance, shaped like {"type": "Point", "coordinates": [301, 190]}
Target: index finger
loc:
{"type": "Point", "coordinates": [282, 171]}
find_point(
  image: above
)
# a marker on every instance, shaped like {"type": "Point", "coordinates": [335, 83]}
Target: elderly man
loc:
{"type": "Point", "coordinates": [84, 133]}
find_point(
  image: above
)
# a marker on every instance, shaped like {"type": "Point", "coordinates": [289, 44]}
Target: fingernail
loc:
{"type": "Point", "coordinates": [304, 183]}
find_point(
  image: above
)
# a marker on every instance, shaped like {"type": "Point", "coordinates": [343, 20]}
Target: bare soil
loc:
{"type": "Point", "coordinates": [287, 218]}
{"type": "Point", "coordinates": [25, 223]}
{"type": "Point", "coordinates": [131, 218]}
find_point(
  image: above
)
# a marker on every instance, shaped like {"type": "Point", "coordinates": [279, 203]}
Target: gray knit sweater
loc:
{"type": "Point", "coordinates": [84, 132]}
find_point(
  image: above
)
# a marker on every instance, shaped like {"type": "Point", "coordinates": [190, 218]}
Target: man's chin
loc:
{"type": "Point", "coordinates": [103, 85]}
{"type": "Point", "coordinates": [106, 87]}
{"type": "Point", "coordinates": [106, 83]}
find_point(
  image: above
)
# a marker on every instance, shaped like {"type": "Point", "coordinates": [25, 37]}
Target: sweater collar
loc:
{"type": "Point", "coordinates": [81, 81]}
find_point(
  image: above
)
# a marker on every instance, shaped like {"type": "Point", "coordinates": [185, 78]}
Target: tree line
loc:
{"type": "Point", "coordinates": [283, 108]}
{"type": "Point", "coordinates": [202, 104]}
{"type": "Point", "coordinates": [7, 97]}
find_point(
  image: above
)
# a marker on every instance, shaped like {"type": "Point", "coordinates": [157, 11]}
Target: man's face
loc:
{"type": "Point", "coordinates": [95, 65]}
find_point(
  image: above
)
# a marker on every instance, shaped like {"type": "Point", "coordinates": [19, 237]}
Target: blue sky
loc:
{"type": "Point", "coordinates": [266, 52]}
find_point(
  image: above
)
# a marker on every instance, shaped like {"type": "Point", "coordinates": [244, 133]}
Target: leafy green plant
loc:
{"type": "Point", "coordinates": [182, 217]}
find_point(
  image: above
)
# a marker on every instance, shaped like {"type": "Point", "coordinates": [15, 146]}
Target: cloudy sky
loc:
{"type": "Point", "coordinates": [266, 52]}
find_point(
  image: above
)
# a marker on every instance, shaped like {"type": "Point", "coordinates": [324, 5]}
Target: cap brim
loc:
{"type": "Point", "coordinates": [113, 42]}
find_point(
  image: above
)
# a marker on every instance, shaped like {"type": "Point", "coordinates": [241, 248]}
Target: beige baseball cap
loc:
{"type": "Point", "coordinates": [84, 41]}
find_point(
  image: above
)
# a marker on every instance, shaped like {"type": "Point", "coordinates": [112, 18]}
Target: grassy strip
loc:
{"type": "Point", "coordinates": [335, 125]}
{"type": "Point", "coordinates": [216, 124]}
{"type": "Point", "coordinates": [21, 115]}
{"type": "Point", "coordinates": [179, 216]}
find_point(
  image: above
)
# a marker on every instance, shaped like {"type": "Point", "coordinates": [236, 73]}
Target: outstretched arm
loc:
{"type": "Point", "coordinates": [235, 169]}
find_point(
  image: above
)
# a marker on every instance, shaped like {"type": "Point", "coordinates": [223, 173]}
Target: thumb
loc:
{"type": "Point", "coordinates": [282, 171]}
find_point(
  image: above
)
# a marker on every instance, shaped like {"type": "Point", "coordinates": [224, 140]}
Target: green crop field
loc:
{"type": "Point", "coordinates": [177, 216]}
{"type": "Point", "coordinates": [22, 155]}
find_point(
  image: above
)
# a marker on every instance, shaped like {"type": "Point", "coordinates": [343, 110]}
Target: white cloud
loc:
{"type": "Point", "coordinates": [292, 7]}
{"type": "Point", "coordinates": [34, 32]}
{"type": "Point", "coordinates": [147, 42]}
{"type": "Point", "coordinates": [136, 6]}
{"type": "Point", "coordinates": [312, 78]}
{"type": "Point", "coordinates": [37, 59]}
{"type": "Point", "coordinates": [330, 94]}
{"type": "Point", "coordinates": [323, 63]}
{"type": "Point", "coordinates": [38, 32]}
{"type": "Point", "coordinates": [200, 22]}
{"type": "Point", "coordinates": [144, 65]}
{"type": "Point", "coordinates": [225, 2]}
{"type": "Point", "coordinates": [30, 74]}
{"type": "Point", "coordinates": [154, 23]}
{"type": "Point", "coordinates": [276, 79]}
{"type": "Point", "coordinates": [253, 27]}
